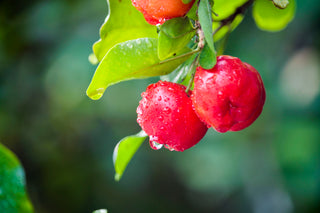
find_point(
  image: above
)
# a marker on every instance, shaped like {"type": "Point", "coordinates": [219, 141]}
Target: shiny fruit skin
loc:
{"type": "Point", "coordinates": [166, 114]}
{"type": "Point", "coordinates": [157, 12]}
{"type": "Point", "coordinates": [230, 96]}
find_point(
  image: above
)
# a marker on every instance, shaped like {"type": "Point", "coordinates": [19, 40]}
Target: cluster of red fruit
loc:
{"type": "Point", "coordinates": [230, 96]}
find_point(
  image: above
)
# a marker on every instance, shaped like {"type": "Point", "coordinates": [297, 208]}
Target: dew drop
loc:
{"type": "Point", "coordinates": [162, 127]}
{"type": "Point", "coordinates": [169, 148]}
{"type": "Point", "coordinates": [167, 110]}
{"type": "Point", "coordinates": [160, 118]}
{"type": "Point", "coordinates": [154, 145]}
{"type": "Point", "coordinates": [170, 89]}
{"type": "Point", "coordinates": [97, 94]}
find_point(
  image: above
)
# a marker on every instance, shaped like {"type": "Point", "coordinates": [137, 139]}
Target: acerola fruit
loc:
{"type": "Point", "coordinates": [157, 12]}
{"type": "Point", "coordinates": [166, 114]}
{"type": "Point", "coordinates": [230, 96]}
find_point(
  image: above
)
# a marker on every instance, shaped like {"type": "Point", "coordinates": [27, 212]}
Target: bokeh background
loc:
{"type": "Point", "coordinates": [65, 140]}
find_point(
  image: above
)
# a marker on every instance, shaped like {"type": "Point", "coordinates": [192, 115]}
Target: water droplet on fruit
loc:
{"type": "Point", "coordinates": [162, 83]}
{"type": "Point", "coordinates": [154, 145]}
{"type": "Point", "coordinates": [159, 98]}
{"type": "Point", "coordinates": [167, 110]}
{"type": "Point", "coordinates": [160, 118]}
{"type": "Point", "coordinates": [170, 89]}
{"type": "Point", "coordinates": [169, 147]}
{"type": "Point", "coordinates": [162, 127]}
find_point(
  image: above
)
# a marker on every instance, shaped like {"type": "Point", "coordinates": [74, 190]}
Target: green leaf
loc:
{"type": "Point", "coordinates": [123, 22]}
{"type": "Point", "coordinates": [225, 8]}
{"type": "Point", "coordinates": [205, 20]}
{"type": "Point", "coordinates": [179, 75]}
{"type": "Point", "coordinates": [270, 18]}
{"type": "Point", "coordinates": [130, 60]}
{"type": "Point", "coordinates": [281, 3]}
{"type": "Point", "coordinates": [174, 35]}
{"type": "Point", "coordinates": [192, 14]}
{"type": "Point", "coordinates": [207, 58]}
{"type": "Point", "coordinates": [225, 29]}
{"type": "Point", "coordinates": [124, 151]}
{"type": "Point", "coordinates": [13, 196]}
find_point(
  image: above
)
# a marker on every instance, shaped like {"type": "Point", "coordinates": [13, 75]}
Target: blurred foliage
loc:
{"type": "Point", "coordinates": [13, 197]}
{"type": "Point", "coordinates": [65, 140]}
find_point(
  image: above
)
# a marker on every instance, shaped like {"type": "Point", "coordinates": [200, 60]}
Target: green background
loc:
{"type": "Point", "coordinates": [65, 141]}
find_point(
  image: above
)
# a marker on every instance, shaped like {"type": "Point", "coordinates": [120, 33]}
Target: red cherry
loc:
{"type": "Point", "coordinates": [166, 114]}
{"type": "Point", "coordinates": [157, 12]}
{"type": "Point", "coordinates": [230, 96]}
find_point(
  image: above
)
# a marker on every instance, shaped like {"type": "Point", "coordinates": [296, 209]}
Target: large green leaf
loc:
{"type": "Point", "coordinates": [13, 196]}
{"type": "Point", "coordinates": [123, 22]}
{"type": "Point", "coordinates": [271, 18]}
{"type": "Point", "coordinates": [174, 35]}
{"type": "Point", "coordinates": [129, 60]}
{"type": "Point", "coordinates": [207, 59]}
{"type": "Point", "coordinates": [205, 20]}
{"type": "Point", "coordinates": [224, 8]}
{"type": "Point", "coordinates": [125, 150]}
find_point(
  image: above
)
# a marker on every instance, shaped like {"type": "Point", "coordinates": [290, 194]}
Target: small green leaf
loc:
{"type": "Point", "coordinates": [207, 58]}
{"type": "Point", "coordinates": [130, 60]}
{"type": "Point", "coordinates": [205, 20]}
{"type": "Point", "coordinates": [179, 75]}
{"type": "Point", "coordinates": [174, 35]}
{"type": "Point", "coordinates": [124, 151]}
{"type": "Point", "coordinates": [192, 14]}
{"type": "Point", "coordinates": [123, 22]}
{"type": "Point", "coordinates": [281, 3]}
{"type": "Point", "coordinates": [13, 196]}
{"type": "Point", "coordinates": [270, 18]}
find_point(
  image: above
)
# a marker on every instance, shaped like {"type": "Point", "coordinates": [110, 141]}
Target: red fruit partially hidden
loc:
{"type": "Point", "coordinates": [230, 96]}
{"type": "Point", "coordinates": [166, 114]}
{"type": "Point", "coordinates": [157, 12]}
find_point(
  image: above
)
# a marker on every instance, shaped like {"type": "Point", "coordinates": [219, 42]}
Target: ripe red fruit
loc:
{"type": "Point", "coordinates": [157, 12]}
{"type": "Point", "coordinates": [166, 114]}
{"type": "Point", "coordinates": [230, 96]}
